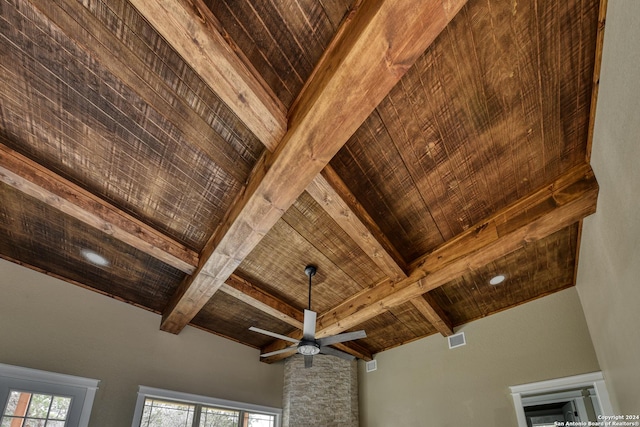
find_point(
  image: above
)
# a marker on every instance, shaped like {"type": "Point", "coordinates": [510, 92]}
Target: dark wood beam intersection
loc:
{"type": "Point", "coordinates": [193, 31]}
{"type": "Point", "coordinates": [570, 198]}
{"type": "Point", "coordinates": [374, 48]}
{"type": "Point", "coordinates": [335, 198]}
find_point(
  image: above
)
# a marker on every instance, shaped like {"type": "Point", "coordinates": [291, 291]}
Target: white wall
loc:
{"type": "Point", "coordinates": [609, 270]}
{"type": "Point", "coordinates": [426, 384]}
{"type": "Point", "coordinates": [56, 326]}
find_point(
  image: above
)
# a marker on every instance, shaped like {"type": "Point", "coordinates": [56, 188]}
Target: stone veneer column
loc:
{"type": "Point", "coordinates": [324, 395]}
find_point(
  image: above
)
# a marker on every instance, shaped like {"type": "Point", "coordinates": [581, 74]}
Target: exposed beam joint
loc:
{"type": "Point", "coordinates": [375, 47]}
{"type": "Point", "coordinates": [127, 66]}
{"type": "Point", "coordinates": [36, 181]}
{"type": "Point", "coordinates": [192, 30]}
{"type": "Point", "coordinates": [248, 293]}
{"type": "Point", "coordinates": [570, 198]}
{"type": "Point", "coordinates": [336, 199]}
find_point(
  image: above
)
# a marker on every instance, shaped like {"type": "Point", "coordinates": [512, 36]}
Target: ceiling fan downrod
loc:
{"type": "Point", "coordinates": [310, 270]}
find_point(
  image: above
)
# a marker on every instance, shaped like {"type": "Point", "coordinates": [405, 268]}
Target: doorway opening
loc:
{"type": "Point", "coordinates": [556, 402]}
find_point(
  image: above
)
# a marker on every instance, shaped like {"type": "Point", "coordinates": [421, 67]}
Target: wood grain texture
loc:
{"type": "Point", "coordinates": [188, 26]}
{"type": "Point", "coordinates": [409, 176]}
{"type": "Point", "coordinates": [571, 198]}
{"type": "Point", "coordinates": [371, 41]}
{"type": "Point", "coordinates": [332, 194]}
{"type": "Point", "coordinates": [535, 270]}
{"type": "Point", "coordinates": [124, 52]}
{"type": "Point", "coordinates": [35, 181]}
{"type": "Point", "coordinates": [277, 264]}
{"type": "Point", "coordinates": [495, 108]}
{"type": "Point", "coordinates": [131, 276]}
{"type": "Point", "coordinates": [248, 293]}
{"type": "Point", "coordinates": [597, 63]}
{"type": "Point", "coordinates": [433, 312]}
{"type": "Point", "coordinates": [231, 318]}
{"type": "Point", "coordinates": [71, 115]}
{"type": "Point", "coordinates": [282, 40]}
{"type": "Point", "coordinates": [562, 204]}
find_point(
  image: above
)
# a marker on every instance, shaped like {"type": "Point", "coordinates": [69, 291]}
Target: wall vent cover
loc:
{"type": "Point", "coordinates": [457, 340]}
{"type": "Point", "coordinates": [372, 365]}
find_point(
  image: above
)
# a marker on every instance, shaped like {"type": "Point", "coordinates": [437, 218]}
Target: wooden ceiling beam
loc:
{"type": "Point", "coordinates": [336, 199]}
{"type": "Point", "coordinates": [354, 349]}
{"type": "Point", "coordinates": [192, 30]}
{"type": "Point", "coordinates": [433, 313]}
{"type": "Point", "coordinates": [373, 49]}
{"type": "Point", "coordinates": [38, 182]}
{"type": "Point", "coordinates": [570, 198]}
{"type": "Point", "coordinates": [250, 294]}
{"type": "Point", "coordinates": [123, 63]}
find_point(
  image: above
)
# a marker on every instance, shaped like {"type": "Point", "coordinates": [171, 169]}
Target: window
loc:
{"type": "Point", "coordinates": [26, 409]}
{"type": "Point", "coordinates": [29, 397]}
{"type": "Point", "coordinates": [164, 408]}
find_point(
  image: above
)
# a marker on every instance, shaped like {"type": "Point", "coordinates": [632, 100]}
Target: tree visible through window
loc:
{"type": "Point", "coordinates": [166, 413]}
{"type": "Point", "coordinates": [25, 409]}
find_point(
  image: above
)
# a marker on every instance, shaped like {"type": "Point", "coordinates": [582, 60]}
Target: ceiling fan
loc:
{"type": "Point", "coordinates": [309, 346]}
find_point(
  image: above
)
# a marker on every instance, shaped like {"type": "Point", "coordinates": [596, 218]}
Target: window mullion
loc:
{"type": "Point", "coordinates": [196, 416]}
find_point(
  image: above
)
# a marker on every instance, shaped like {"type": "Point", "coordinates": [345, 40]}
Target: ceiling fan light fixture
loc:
{"type": "Point", "coordinates": [308, 348]}
{"type": "Point", "coordinates": [496, 280]}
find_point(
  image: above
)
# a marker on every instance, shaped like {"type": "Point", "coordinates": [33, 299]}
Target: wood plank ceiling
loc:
{"type": "Point", "coordinates": [210, 149]}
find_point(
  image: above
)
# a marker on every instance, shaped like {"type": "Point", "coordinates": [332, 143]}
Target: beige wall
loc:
{"type": "Point", "coordinates": [52, 325]}
{"type": "Point", "coordinates": [609, 270]}
{"type": "Point", "coordinates": [426, 384]}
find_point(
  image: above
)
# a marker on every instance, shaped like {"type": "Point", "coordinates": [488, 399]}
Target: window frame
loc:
{"type": "Point", "coordinates": [145, 392]}
{"type": "Point", "coordinates": [82, 390]}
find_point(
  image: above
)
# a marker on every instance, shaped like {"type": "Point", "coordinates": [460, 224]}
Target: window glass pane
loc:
{"type": "Point", "coordinates": [214, 417]}
{"type": "Point", "coordinates": [258, 420]}
{"type": "Point", "coordinates": [34, 423]}
{"type": "Point", "coordinates": [159, 413]}
{"type": "Point", "coordinates": [39, 406]}
{"type": "Point", "coordinates": [17, 403]}
{"type": "Point", "coordinates": [6, 422]}
{"type": "Point", "coordinates": [59, 409]}
{"type": "Point", "coordinates": [55, 423]}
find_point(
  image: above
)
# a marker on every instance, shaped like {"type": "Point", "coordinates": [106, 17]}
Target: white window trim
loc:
{"type": "Point", "coordinates": [158, 393]}
{"type": "Point", "coordinates": [38, 376]}
{"type": "Point", "coordinates": [594, 379]}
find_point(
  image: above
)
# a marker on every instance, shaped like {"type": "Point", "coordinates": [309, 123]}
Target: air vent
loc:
{"type": "Point", "coordinates": [457, 340]}
{"type": "Point", "coordinates": [372, 365]}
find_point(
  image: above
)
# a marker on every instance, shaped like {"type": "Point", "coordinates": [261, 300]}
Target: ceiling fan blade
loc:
{"type": "Point", "coordinates": [333, 352]}
{"type": "Point", "coordinates": [309, 328]}
{"type": "Point", "coordinates": [274, 335]}
{"type": "Point", "coordinates": [347, 336]}
{"type": "Point", "coordinates": [284, 350]}
{"type": "Point", "coordinates": [308, 361]}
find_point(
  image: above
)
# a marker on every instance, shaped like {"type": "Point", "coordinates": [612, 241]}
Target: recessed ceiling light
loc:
{"type": "Point", "coordinates": [94, 258]}
{"type": "Point", "coordinates": [496, 280]}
